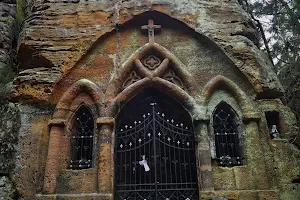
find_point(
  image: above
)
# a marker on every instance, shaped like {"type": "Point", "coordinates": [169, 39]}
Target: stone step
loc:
{"type": "Point", "coordinates": [82, 196]}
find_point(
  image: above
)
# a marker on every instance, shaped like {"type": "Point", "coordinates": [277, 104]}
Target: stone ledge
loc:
{"type": "Point", "coordinates": [280, 140]}
{"type": "Point", "coordinates": [77, 181]}
{"type": "Point", "coordinates": [241, 194]}
{"type": "Point", "coordinates": [57, 122]}
{"type": "Point", "coordinates": [82, 196]}
{"type": "Point", "coordinates": [251, 116]}
{"type": "Point", "coordinates": [105, 120]}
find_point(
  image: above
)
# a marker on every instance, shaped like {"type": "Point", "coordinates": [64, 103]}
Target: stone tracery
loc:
{"type": "Point", "coordinates": [133, 77]}
{"type": "Point", "coordinates": [151, 67]}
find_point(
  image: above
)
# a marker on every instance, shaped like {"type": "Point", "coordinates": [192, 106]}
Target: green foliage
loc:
{"type": "Point", "coordinates": [9, 69]}
{"type": "Point", "coordinates": [9, 125]}
{"type": "Point", "coordinates": [6, 75]}
{"type": "Point", "coordinates": [9, 117]}
{"type": "Point", "coordinates": [280, 20]}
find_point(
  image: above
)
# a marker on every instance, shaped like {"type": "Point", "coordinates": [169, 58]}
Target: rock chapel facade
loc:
{"type": "Point", "coordinates": [149, 100]}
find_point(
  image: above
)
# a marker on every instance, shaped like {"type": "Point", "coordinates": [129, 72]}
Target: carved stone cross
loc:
{"type": "Point", "coordinates": [151, 28]}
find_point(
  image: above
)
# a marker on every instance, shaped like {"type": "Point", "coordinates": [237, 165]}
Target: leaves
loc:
{"type": "Point", "coordinates": [280, 22]}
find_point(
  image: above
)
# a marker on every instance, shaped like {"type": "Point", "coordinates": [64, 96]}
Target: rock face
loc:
{"type": "Point", "coordinates": [94, 54]}
{"type": "Point", "coordinates": [7, 15]}
{"type": "Point", "coordinates": [59, 34]}
{"type": "Point", "coordinates": [9, 122]}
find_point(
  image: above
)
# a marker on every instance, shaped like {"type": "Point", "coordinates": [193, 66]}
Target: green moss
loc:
{"type": "Point", "coordinates": [20, 13]}
{"type": "Point", "coordinates": [9, 67]}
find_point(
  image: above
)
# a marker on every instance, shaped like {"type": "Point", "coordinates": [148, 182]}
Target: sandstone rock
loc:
{"type": "Point", "coordinates": [62, 32]}
{"type": "Point", "coordinates": [79, 52]}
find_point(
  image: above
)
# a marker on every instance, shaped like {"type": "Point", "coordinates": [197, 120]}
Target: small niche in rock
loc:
{"type": "Point", "coordinates": [273, 123]}
{"type": "Point", "coordinates": [296, 180]}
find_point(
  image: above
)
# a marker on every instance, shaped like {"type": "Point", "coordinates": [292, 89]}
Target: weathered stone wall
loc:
{"type": "Point", "coordinates": [7, 17]}
{"type": "Point", "coordinates": [9, 116]}
{"type": "Point", "coordinates": [32, 149]}
{"type": "Point", "coordinates": [9, 129]}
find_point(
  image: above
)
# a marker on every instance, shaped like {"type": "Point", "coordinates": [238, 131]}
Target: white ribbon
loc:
{"type": "Point", "coordinates": [144, 163]}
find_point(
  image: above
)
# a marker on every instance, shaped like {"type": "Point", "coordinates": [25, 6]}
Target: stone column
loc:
{"type": "Point", "coordinates": [106, 155]}
{"type": "Point", "coordinates": [203, 154]}
{"type": "Point", "coordinates": [255, 156]}
{"type": "Point", "coordinates": [57, 154]}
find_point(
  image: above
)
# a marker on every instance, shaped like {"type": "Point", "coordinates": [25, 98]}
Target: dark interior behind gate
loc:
{"type": "Point", "coordinates": [155, 150]}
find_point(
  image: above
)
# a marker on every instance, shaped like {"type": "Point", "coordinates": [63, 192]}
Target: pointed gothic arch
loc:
{"type": "Point", "coordinates": [82, 138]}
{"type": "Point", "coordinates": [152, 66]}
{"type": "Point", "coordinates": [163, 65]}
{"type": "Point", "coordinates": [61, 127]}
{"type": "Point", "coordinates": [223, 83]}
{"type": "Point", "coordinates": [227, 135]}
{"type": "Point", "coordinates": [155, 149]}
{"type": "Point", "coordinates": [81, 86]}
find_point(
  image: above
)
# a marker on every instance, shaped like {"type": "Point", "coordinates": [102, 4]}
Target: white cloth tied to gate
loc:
{"type": "Point", "coordinates": [144, 163]}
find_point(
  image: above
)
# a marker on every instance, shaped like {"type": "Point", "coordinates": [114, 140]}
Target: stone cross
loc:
{"type": "Point", "coordinates": [151, 28]}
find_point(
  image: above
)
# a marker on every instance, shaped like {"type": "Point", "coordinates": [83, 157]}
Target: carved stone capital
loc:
{"type": "Point", "coordinates": [105, 121]}
{"type": "Point", "coordinates": [57, 122]}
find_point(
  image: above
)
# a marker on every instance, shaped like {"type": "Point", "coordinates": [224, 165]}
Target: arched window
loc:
{"type": "Point", "coordinates": [227, 137]}
{"type": "Point", "coordinates": [82, 139]}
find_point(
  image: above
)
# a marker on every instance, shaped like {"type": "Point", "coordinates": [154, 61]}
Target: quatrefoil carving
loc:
{"type": "Point", "coordinates": [150, 68]}
{"type": "Point", "coordinates": [152, 62]}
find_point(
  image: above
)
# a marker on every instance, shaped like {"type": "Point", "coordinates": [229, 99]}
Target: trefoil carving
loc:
{"type": "Point", "coordinates": [133, 77]}
{"type": "Point", "coordinates": [171, 76]}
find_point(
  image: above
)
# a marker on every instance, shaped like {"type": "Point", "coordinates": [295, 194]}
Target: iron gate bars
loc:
{"type": "Point", "coordinates": [155, 159]}
{"type": "Point", "coordinates": [82, 139]}
{"type": "Point", "coordinates": [228, 147]}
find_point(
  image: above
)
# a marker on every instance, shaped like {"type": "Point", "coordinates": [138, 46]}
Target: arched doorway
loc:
{"type": "Point", "coordinates": [155, 149]}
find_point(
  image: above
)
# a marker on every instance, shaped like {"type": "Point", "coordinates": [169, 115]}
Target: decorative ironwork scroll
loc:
{"type": "Point", "coordinates": [155, 159]}
{"type": "Point", "coordinates": [228, 150]}
{"type": "Point", "coordinates": [82, 139]}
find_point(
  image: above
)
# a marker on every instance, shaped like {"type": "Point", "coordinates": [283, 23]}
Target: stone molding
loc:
{"type": "Point", "coordinates": [83, 85]}
{"type": "Point", "coordinates": [57, 122]}
{"type": "Point", "coordinates": [251, 116]}
{"type": "Point", "coordinates": [105, 121]}
{"type": "Point", "coordinates": [221, 82]}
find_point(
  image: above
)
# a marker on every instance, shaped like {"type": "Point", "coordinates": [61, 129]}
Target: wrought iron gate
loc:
{"type": "Point", "coordinates": [155, 159]}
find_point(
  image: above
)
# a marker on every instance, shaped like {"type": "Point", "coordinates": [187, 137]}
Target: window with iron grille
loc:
{"type": "Point", "coordinates": [227, 138]}
{"type": "Point", "coordinates": [82, 139]}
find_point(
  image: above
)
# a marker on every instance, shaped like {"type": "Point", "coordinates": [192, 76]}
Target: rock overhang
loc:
{"type": "Point", "coordinates": [69, 34]}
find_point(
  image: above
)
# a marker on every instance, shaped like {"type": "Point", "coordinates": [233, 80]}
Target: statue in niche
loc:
{"type": "Point", "coordinates": [274, 132]}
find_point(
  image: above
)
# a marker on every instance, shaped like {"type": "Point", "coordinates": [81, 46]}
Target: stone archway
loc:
{"type": "Point", "coordinates": [155, 149]}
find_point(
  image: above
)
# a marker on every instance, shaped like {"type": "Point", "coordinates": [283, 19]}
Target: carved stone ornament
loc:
{"type": "Point", "coordinates": [133, 77]}
{"type": "Point", "coordinates": [171, 76]}
{"type": "Point", "coordinates": [152, 62]}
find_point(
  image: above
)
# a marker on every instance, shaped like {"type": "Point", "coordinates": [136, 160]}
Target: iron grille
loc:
{"type": "Point", "coordinates": [82, 139]}
{"type": "Point", "coordinates": [228, 150]}
{"type": "Point", "coordinates": [169, 151]}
